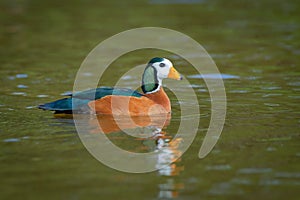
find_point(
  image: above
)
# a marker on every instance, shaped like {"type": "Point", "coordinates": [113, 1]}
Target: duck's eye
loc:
{"type": "Point", "coordinates": [162, 64]}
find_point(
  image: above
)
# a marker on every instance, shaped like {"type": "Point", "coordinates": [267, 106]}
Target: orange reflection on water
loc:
{"type": "Point", "coordinates": [109, 123]}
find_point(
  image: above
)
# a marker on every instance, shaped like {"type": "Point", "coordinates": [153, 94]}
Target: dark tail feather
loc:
{"type": "Point", "coordinates": [61, 105]}
{"type": "Point", "coordinates": [65, 105]}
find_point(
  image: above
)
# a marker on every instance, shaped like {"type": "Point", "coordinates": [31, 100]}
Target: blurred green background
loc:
{"type": "Point", "coordinates": [258, 42]}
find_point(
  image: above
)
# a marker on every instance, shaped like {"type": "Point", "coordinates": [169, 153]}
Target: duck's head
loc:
{"type": "Point", "coordinates": [156, 70]}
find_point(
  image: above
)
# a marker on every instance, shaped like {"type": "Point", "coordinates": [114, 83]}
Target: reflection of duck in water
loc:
{"type": "Point", "coordinates": [109, 123]}
{"type": "Point", "coordinates": [118, 101]}
{"type": "Point", "coordinates": [167, 158]}
{"type": "Point", "coordinates": [169, 154]}
{"type": "Point", "coordinates": [168, 165]}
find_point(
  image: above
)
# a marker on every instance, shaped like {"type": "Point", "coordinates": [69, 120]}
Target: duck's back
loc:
{"type": "Point", "coordinates": [78, 102]}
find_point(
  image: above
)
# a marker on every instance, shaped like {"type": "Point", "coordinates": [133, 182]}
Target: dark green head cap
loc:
{"type": "Point", "coordinates": [156, 59]}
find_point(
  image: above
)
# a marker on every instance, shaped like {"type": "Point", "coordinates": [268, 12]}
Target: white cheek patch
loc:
{"type": "Point", "coordinates": [163, 72]}
{"type": "Point", "coordinates": [168, 62]}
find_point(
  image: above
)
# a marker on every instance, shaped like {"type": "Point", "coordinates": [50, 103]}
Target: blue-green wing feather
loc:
{"type": "Point", "coordinates": [81, 99]}
{"type": "Point", "coordinates": [98, 93]}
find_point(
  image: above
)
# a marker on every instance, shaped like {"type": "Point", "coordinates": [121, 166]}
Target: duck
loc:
{"type": "Point", "coordinates": [122, 101]}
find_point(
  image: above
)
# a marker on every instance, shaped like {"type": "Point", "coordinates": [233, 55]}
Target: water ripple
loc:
{"type": "Point", "coordinates": [254, 170]}
{"type": "Point", "coordinates": [214, 76]}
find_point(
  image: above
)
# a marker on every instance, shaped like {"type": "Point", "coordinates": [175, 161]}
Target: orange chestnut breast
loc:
{"type": "Point", "coordinates": [150, 104]}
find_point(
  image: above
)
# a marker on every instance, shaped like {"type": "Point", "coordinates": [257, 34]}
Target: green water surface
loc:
{"type": "Point", "coordinates": [257, 43]}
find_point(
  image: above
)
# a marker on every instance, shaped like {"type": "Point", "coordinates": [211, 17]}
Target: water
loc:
{"type": "Point", "coordinates": [255, 43]}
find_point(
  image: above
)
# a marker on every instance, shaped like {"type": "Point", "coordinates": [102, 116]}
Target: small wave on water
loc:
{"type": "Point", "coordinates": [214, 76]}
{"type": "Point", "coordinates": [176, 1]}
